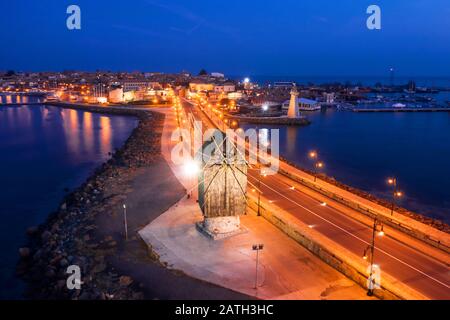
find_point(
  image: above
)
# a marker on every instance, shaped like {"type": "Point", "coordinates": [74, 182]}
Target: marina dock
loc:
{"type": "Point", "coordinates": [442, 109]}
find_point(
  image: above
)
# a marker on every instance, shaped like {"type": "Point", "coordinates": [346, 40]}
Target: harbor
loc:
{"type": "Point", "coordinates": [405, 109]}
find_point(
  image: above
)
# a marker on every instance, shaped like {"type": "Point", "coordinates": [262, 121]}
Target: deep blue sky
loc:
{"type": "Point", "coordinates": [289, 37]}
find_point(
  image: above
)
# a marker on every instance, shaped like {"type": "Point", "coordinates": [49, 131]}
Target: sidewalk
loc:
{"type": "Point", "coordinates": [286, 269]}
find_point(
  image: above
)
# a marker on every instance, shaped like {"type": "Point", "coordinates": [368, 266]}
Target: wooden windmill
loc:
{"type": "Point", "coordinates": [222, 188]}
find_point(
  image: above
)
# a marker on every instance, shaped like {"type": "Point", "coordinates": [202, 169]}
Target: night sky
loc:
{"type": "Point", "coordinates": [289, 37]}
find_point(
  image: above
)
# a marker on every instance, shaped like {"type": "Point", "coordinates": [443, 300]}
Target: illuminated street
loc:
{"type": "Point", "coordinates": [288, 271]}
{"type": "Point", "coordinates": [225, 160]}
{"type": "Point", "coordinates": [420, 271]}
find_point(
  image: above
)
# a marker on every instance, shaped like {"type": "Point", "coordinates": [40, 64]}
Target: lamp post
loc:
{"type": "Point", "coordinates": [125, 222]}
{"type": "Point", "coordinates": [319, 165]}
{"type": "Point", "coordinates": [191, 169]}
{"type": "Point", "coordinates": [257, 248]}
{"type": "Point", "coordinates": [395, 194]}
{"type": "Point", "coordinates": [370, 251]}
{"type": "Point", "coordinates": [313, 155]}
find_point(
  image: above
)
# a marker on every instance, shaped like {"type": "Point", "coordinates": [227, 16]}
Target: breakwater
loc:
{"type": "Point", "coordinates": [273, 120]}
{"type": "Point", "coordinates": [443, 109]}
{"type": "Point", "coordinates": [72, 234]}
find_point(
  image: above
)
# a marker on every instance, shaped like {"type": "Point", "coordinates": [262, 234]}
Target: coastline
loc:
{"type": "Point", "coordinates": [87, 229]}
{"type": "Point", "coordinates": [54, 244]}
{"type": "Point", "coordinates": [273, 120]}
{"type": "Point", "coordinates": [73, 229]}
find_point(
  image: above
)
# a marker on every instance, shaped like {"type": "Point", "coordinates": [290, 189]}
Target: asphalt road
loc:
{"type": "Point", "coordinates": [415, 269]}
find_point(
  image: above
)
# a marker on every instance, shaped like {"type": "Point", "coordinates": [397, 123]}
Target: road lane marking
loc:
{"type": "Point", "coordinates": [355, 236]}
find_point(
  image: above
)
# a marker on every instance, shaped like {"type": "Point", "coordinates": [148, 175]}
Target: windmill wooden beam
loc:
{"type": "Point", "coordinates": [222, 190]}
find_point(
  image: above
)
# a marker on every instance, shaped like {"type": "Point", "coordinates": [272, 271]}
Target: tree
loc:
{"type": "Point", "coordinates": [10, 73]}
{"type": "Point", "coordinates": [203, 72]}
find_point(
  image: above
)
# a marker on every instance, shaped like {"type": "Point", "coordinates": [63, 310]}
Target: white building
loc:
{"type": "Point", "coordinates": [302, 104]}
{"type": "Point", "coordinates": [116, 95]}
{"type": "Point", "coordinates": [217, 75]}
{"type": "Point", "coordinates": [236, 95]}
{"type": "Point", "coordinates": [329, 97]}
{"type": "Point", "coordinates": [135, 85]}
{"type": "Point", "coordinates": [226, 88]}
{"type": "Point", "coordinates": [308, 104]}
{"type": "Point", "coordinates": [201, 86]}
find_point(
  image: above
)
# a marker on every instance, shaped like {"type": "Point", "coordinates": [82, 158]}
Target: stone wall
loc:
{"type": "Point", "coordinates": [273, 120]}
{"type": "Point", "coordinates": [440, 225]}
{"type": "Point", "coordinates": [407, 229]}
{"type": "Point", "coordinates": [334, 255]}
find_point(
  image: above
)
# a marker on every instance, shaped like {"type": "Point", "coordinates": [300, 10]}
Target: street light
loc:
{"type": "Point", "coordinates": [191, 169]}
{"type": "Point", "coordinates": [125, 222]}
{"type": "Point", "coordinates": [259, 190]}
{"type": "Point", "coordinates": [369, 252]}
{"type": "Point", "coordinates": [319, 165]}
{"type": "Point", "coordinates": [313, 155]}
{"type": "Point", "coordinates": [395, 194]}
{"type": "Point", "coordinates": [257, 248]}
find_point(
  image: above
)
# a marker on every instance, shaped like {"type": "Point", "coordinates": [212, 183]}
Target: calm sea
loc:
{"type": "Point", "coordinates": [44, 150]}
{"type": "Point", "coordinates": [363, 149]}
{"type": "Point", "coordinates": [443, 82]}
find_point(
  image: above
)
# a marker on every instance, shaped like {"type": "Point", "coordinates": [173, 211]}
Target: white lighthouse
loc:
{"type": "Point", "coordinates": [293, 111]}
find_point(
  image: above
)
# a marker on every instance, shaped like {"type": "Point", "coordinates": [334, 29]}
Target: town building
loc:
{"type": "Point", "coordinates": [116, 95]}
{"type": "Point", "coordinates": [225, 87]}
{"type": "Point", "coordinates": [136, 85]}
{"type": "Point", "coordinates": [303, 104]}
{"type": "Point", "coordinates": [201, 86]}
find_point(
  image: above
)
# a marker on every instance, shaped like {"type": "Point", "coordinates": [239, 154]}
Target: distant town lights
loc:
{"type": "Point", "coordinates": [246, 80]}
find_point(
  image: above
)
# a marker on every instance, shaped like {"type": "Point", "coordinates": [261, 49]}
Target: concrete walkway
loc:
{"type": "Point", "coordinates": [286, 269]}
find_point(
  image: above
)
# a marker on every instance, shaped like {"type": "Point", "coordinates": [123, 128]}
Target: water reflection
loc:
{"type": "Point", "coordinates": [291, 139]}
{"type": "Point", "coordinates": [44, 150]}
{"type": "Point", "coordinates": [264, 136]}
{"type": "Point", "coordinates": [8, 98]}
{"type": "Point", "coordinates": [363, 149]}
{"type": "Point", "coordinates": [105, 135]}
{"type": "Point", "coordinates": [87, 134]}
